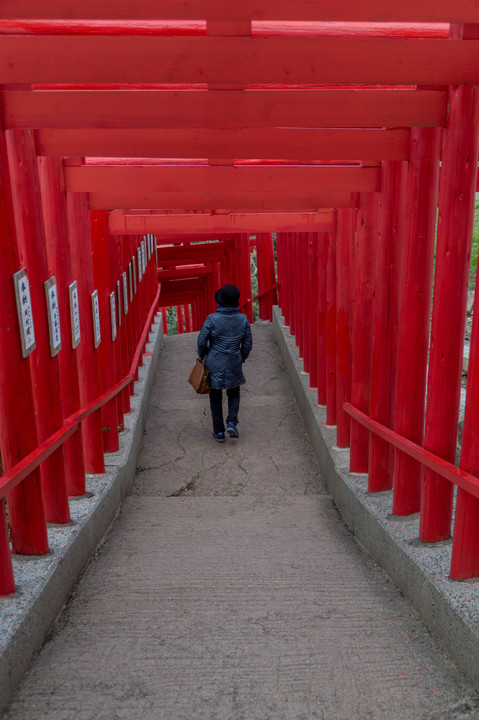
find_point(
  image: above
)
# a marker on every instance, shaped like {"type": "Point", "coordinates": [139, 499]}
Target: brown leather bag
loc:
{"type": "Point", "coordinates": [199, 378]}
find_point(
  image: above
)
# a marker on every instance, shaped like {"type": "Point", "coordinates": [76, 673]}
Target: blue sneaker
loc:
{"type": "Point", "coordinates": [219, 437]}
{"type": "Point", "coordinates": [232, 430]}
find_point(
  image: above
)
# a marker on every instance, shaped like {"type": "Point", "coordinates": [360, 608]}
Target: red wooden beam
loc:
{"type": "Point", "coordinates": [163, 109]}
{"type": "Point", "coordinates": [294, 144]}
{"type": "Point", "coordinates": [445, 469]}
{"type": "Point", "coordinates": [259, 179]}
{"type": "Point", "coordinates": [191, 254]}
{"type": "Point", "coordinates": [223, 224]}
{"type": "Point", "coordinates": [346, 10]}
{"type": "Point", "coordinates": [171, 287]}
{"type": "Point", "coordinates": [182, 273]}
{"type": "Point", "coordinates": [245, 202]}
{"type": "Point", "coordinates": [268, 28]}
{"type": "Point", "coordinates": [169, 299]}
{"type": "Point", "coordinates": [184, 237]}
{"type": "Point", "coordinates": [339, 61]}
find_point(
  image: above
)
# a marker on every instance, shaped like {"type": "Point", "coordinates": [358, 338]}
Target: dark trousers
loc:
{"type": "Point", "coordinates": [216, 405]}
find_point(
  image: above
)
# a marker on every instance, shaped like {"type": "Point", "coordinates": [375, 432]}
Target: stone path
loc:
{"type": "Point", "coordinates": [229, 589]}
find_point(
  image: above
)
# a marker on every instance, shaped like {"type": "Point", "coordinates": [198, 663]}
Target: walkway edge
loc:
{"type": "Point", "coordinates": [449, 609]}
{"type": "Point", "coordinates": [45, 583]}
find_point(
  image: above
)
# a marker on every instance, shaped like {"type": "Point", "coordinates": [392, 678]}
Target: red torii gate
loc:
{"type": "Point", "coordinates": [176, 90]}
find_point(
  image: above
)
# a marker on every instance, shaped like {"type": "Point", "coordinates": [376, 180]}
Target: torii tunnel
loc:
{"type": "Point", "coordinates": [146, 147]}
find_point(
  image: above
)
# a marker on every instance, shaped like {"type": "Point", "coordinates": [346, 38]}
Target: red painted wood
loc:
{"type": "Point", "coordinates": [106, 349]}
{"type": "Point", "coordinates": [346, 241]}
{"type": "Point", "coordinates": [180, 273]}
{"type": "Point", "coordinates": [282, 287]}
{"type": "Point", "coordinates": [261, 242]}
{"type": "Point", "coordinates": [21, 470]}
{"type": "Point", "coordinates": [217, 224]}
{"type": "Point", "coordinates": [179, 319]}
{"type": "Point", "coordinates": [392, 213]}
{"type": "Point", "coordinates": [7, 581]}
{"type": "Point", "coordinates": [183, 286]}
{"type": "Point", "coordinates": [123, 349]}
{"type": "Point", "coordinates": [294, 282]}
{"type": "Point", "coordinates": [166, 109]}
{"type": "Point", "coordinates": [285, 277]}
{"type": "Point", "coordinates": [271, 28]}
{"type": "Point", "coordinates": [460, 477]}
{"type": "Point", "coordinates": [416, 288]}
{"type": "Point", "coordinates": [185, 255]}
{"type": "Point", "coordinates": [453, 249]}
{"type": "Point", "coordinates": [312, 239]}
{"type": "Point", "coordinates": [90, 59]}
{"type": "Point", "coordinates": [27, 208]}
{"type": "Point", "coordinates": [245, 201]}
{"type": "Point", "coordinates": [18, 433]}
{"type": "Point", "coordinates": [331, 324]}
{"type": "Point", "coordinates": [188, 319]}
{"type": "Point", "coordinates": [345, 10]}
{"type": "Point", "coordinates": [214, 179]}
{"type": "Point", "coordinates": [275, 28]}
{"type": "Point", "coordinates": [323, 240]}
{"type": "Point", "coordinates": [244, 276]}
{"type": "Point", "coordinates": [293, 144]}
{"type": "Point", "coordinates": [86, 27]}
{"type": "Point", "coordinates": [88, 370]}
{"type": "Point", "coordinates": [364, 290]}
{"type": "Point", "coordinates": [302, 293]}
{"type": "Point", "coordinates": [262, 28]}
{"type": "Point", "coordinates": [307, 294]}
{"type": "Point", "coordinates": [465, 560]}
{"type": "Point", "coordinates": [58, 255]}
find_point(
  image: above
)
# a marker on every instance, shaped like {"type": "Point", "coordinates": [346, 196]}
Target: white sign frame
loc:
{"type": "Point", "coordinates": [53, 314]}
{"type": "Point", "coordinates": [133, 262]}
{"type": "Point", "coordinates": [114, 329]}
{"type": "Point", "coordinates": [25, 312]}
{"type": "Point", "coordinates": [95, 309]}
{"type": "Point", "coordinates": [74, 314]}
{"type": "Point", "coordinates": [130, 280]}
{"type": "Point", "coordinates": [125, 293]}
{"type": "Point", "coordinates": [118, 302]}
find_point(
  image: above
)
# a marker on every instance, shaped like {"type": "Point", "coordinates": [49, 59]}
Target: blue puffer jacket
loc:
{"type": "Point", "coordinates": [225, 339]}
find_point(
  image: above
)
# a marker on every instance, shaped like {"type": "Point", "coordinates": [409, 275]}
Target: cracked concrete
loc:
{"type": "Point", "coordinates": [229, 588]}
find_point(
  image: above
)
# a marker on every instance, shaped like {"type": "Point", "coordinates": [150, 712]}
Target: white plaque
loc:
{"type": "Point", "coordinates": [140, 268]}
{"type": "Point", "coordinates": [133, 262]}
{"type": "Point", "coordinates": [150, 247]}
{"type": "Point", "coordinates": [130, 280]}
{"type": "Point", "coordinates": [125, 293]}
{"type": "Point", "coordinates": [74, 314]}
{"type": "Point", "coordinates": [113, 315]}
{"type": "Point", "coordinates": [143, 254]}
{"type": "Point", "coordinates": [24, 309]}
{"type": "Point", "coordinates": [53, 316]}
{"type": "Point", "coordinates": [118, 301]}
{"type": "Point", "coordinates": [95, 308]}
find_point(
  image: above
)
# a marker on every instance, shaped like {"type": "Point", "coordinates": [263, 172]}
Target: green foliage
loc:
{"type": "Point", "coordinates": [171, 321]}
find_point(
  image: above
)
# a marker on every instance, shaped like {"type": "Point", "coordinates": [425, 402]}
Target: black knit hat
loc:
{"type": "Point", "coordinates": [228, 296]}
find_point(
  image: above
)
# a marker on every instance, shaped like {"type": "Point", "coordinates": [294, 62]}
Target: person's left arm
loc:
{"type": "Point", "coordinates": [203, 338]}
{"type": "Point", "coordinates": [247, 343]}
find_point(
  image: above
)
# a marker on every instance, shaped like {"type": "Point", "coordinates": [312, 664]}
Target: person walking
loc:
{"type": "Point", "coordinates": [226, 340]}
